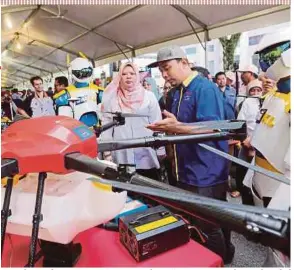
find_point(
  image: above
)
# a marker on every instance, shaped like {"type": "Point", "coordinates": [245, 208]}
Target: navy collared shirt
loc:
{"type": "Point", "coordinates": [199, 100]}
{"type": "Point", "coordinates": [230, 102]}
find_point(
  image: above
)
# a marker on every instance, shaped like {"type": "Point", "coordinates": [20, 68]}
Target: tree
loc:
{"type": "Point", "coordinates": [229, 46]}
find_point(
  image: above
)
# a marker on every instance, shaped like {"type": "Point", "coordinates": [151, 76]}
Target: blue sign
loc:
{"type": "Point", "coordinates": [83, 132]}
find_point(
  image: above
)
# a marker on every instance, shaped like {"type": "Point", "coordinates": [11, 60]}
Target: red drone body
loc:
{"type": "Point", "coordinates": [40, 144]}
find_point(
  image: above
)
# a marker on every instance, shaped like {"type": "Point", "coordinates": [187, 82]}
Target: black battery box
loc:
{"type": "Point", "coordinates": [152, 232]}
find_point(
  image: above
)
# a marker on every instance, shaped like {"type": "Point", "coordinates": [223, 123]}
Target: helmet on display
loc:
{"type": "Point", "coordinates": [274, 55]}
{"type": "Point", "coordinates": [81, 70]}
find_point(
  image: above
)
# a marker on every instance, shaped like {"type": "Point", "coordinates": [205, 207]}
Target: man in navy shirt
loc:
{"type": "Point", "coordinates": [229, 94]}
{"type": "Point", "coordinates": [194, 99]}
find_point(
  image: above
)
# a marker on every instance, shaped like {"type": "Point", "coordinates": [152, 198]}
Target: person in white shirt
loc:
{"type": "Point", "coordinates": [40, 104]}
{"type": "Point", "coordinates": [251, 105]}
{"type": "Point", "coordinates": [126, 94]}
{"type": "Point", "coordinates": [248, 112]}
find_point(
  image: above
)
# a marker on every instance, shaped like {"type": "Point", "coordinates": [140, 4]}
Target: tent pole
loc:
{"type": "Point", "coordinates": [206, 39]}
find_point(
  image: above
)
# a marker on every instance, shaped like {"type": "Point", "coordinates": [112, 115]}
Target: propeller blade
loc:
{"type": "Point", "coordinates": [133, 115]}
{"type": "Point", "coordinates": [126, 114]}
{"type": "Point", "coordinates": [222, 124]}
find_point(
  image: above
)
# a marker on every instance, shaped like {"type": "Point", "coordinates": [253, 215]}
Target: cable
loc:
{"type": "Point", "coordinates": [185, 220]}
{"type": "Point", "coordinates": [199, 233]}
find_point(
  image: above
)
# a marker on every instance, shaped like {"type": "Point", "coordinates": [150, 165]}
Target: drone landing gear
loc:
{"type": "Point", "coordinates": [55, 255]}
{"type": "Point", "coordinates": [59, 255]}
{"type": "Point", "coordinates": [6, 212]}
{"type": "Point", "coordinates": [37, 218]}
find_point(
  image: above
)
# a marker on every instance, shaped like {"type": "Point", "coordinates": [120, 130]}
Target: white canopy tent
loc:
{"type": "Point", "coordinates": [37, 39]}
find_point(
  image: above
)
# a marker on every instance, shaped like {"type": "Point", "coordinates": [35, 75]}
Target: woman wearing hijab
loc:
{"type": "Point", "coordinates": [150, 84]}
{"type": "Point", "coordinates": [126, 94]}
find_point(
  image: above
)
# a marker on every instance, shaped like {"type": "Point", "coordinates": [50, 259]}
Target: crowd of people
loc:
{"type": "Point", "coordinates": [190, 94]}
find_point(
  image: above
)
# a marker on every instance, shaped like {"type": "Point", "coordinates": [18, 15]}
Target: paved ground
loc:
{"type": "Point", "coordinates": [247, 254]}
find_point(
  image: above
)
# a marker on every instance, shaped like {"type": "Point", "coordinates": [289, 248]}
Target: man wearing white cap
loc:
{"type": "Point", "coordinates": [248, 74]}
{"type": "Point", "coordinates": [231, 78]}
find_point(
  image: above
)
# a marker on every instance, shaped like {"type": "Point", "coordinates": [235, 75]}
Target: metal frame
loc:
{"type": "Point", "coordinates": [127, 49]}
{"type": "Point", "coordinates": [8, 9]}
{"type": "Point", "coordinates": [49, 44]}
{"type": "Point", "coordinates": [17, 79]}
{"type": "Point", "coordinates": [200, 30]}
{"type": "Point", "coordinates": [190, 16]}
{"type": "Point", "coordinates": [38, 57]}
{"type": "Point", "coordinates": [61, 47]}
{"type": "Point", "coordinates": [24, 72]}
{"type": "Point", "coordinates": [86, 28]}
{"type": "Point", "coordinates": [7, 60]}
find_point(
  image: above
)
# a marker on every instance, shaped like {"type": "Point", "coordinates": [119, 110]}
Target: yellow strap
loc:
{"type": "Point", "coordinates": [263, 163]}
{"type": "Point", "coordinates": [286, 98]}
{"type": "Point", "coordinates": [176, 158]}
{"type": "Point", "coordinates": [57, 95]}
{"type": "Point", "coordinates": [101, 186]}
{"type": "Point", "coordinates": [15, 180]}
{"type": "Point", "coordinates": [72, 88]}
{"type": "Point", "coordinates": [270, 92]}
{"type": "Point", "coordinates": [268, 120]}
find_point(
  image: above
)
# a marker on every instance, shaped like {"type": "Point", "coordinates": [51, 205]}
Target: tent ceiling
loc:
{"type": "Point", "coordinates": [38, 45]}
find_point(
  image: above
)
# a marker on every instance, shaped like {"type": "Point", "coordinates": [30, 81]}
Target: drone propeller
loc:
{"type": "Point", "coordinates": [126, 114]}
{"type": "Point", "coordinates": [223, 125]}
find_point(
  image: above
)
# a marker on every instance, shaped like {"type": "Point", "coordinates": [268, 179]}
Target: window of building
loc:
{"type": "Point", "coordinates": [255, 60]}
{"type": "Point", "coordinates": [238, 44]}
{"type": "Point", "coordinates": [190, 51]}
{"type": "Point", "coordinates": [211, 67]}
{"type": "Point", "coordinates": [237, 58]}
{"type": "Point", "coordinates": [255, 40]}
{"type": "Point", "coordinates": [210, 48]}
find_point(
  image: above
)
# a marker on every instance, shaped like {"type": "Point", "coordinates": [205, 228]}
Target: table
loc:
{"type": "Point", "coordinates": [101, 248]}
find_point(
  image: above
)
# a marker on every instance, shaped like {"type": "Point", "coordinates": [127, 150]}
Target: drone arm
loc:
{"type": "Point", "coordinates": [164, 140]}
{"type": "Point", "coordinates": [83, 163]}
{"type": "Point", "coordinates": [269, 230]}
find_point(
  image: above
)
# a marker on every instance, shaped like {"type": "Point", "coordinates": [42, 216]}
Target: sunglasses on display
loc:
{"type": "Point", "coordinates": [83, 73]}
{"type": "Point", "coordinates": [271, 55]}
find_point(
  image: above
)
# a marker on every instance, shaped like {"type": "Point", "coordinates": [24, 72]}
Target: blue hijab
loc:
{"type": "Point", "coordinates": [154, 88]}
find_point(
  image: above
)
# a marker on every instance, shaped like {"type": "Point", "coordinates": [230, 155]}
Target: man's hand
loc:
{"type": "Point", "coordinates": [247, 143]}
{"type": "Point", "coordinates": [107, 156]}
{"type": "Point", "coordinates": [267, 84]}
{"type": "Point", "coordinates": [170, 124]}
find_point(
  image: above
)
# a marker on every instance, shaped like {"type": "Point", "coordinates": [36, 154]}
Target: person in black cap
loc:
{"type": "Point", "coordinates": [194, 99]}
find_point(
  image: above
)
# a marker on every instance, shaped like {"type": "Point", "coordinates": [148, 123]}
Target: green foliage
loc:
{"type": "Point", "coordinates": [229, 46]}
